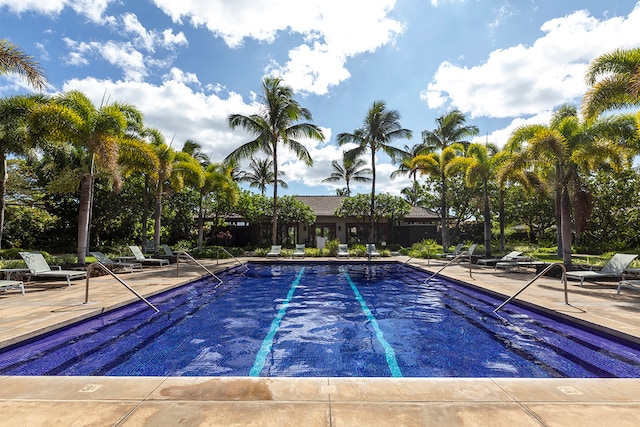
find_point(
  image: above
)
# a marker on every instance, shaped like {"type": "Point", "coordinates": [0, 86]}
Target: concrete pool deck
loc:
{"type": "Point", "coordinates": [195, 401]}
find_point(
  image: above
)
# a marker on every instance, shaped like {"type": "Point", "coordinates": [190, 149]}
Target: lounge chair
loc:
{"type": "Point", "coordinates": [371, 250]}
{"type": "Point", "coordinates": [343, 250]}
{"type": "Point", "coordinates": [5, 285]}
{"type": "Point", "coordinates": [38, 267]}
{"type": "Point", "coordinates": [275, 251]}
{"type": "Point", "coordinates": [467, 255]}
{"type": "Point", "coordinates": [455, 252]}
{"type": "Point", "coordinates": [511, 256]}
{"type": "Point", "coordinates": [170, 255]}
{"type": "Point", "coordinates": [116, 265]}
{"type": "Point", "coordinates": [139, 257]}
{"type": "Point", "coordinates": [613, 269]}
{"type": "Point", "coordinates": [299, 251]}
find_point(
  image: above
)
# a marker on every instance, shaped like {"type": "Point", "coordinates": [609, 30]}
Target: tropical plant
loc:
{"type": "Point", "coordinates": [276, 124]}
{"type": "Point", "coordinates": [379, 128]}
{"type": "Point", "coordinates": [570, 148]}
{"type": "Point", "coordinates": [615, 82]}
{"type": "Point", "coordinates": [222, 191]}
{"type": "Point", "coordinates": [13, 60]}
{"type": "Point", "coordinates": [350, 170]}
{"type": "Point", "coordinates": [450, 137]}
{"type": "Point", "coordinates": [260, 175]}
{"type": "Point", "coordinates": [96, 135]}
{"type": "Point", "coordinates": [14, 113]}
{"type": "Point", "coordinates": [176, 168]}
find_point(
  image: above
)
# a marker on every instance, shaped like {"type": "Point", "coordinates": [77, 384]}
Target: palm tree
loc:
{"type": "Point", "coordinates": [261, 174]}
{"type": "Point", "coordinates": [450, 137]}
{"type": "Point", "coordinates": [175, 169]}
{"type": "Point", "coordinates": [570, 148]}
{"type": "Point", "coordinates": [479, 166]}
{"type": "Point", "coordinates": [276, 123]}
{"type": "Point", "coordinates": [615, 82]}
{"type": "Point", "coordinates": [379, 129]}
{"type": "Point", "coordinates": [14, 113]}
{"type": "Point", "coordinates": [217, 181]}
{"type": "Point", "coordinates": [13, 60]}
{"type": "Point", "coordinates": [96, 135]}
{"type": "Point", "coordinates": [349, 170]}
{"type": "Point", "coordinates": [408, 153]}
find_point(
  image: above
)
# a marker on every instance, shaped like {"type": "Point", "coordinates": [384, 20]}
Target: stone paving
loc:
{"type": "Point", "coordinates": [202, 401]}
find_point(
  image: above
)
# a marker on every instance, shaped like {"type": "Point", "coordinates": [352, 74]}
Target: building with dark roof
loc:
{"type": "Point", "coordinates": [419, 224]}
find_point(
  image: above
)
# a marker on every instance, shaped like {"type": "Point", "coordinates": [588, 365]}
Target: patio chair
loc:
{"type": "Point", "coordinates": [467, 256]}
{"type": "Point", "coordinates": [371, 250]}
{"type": "Point", "coordinates": [455, 252]}
{"type": "Point", "coordinates": [299, 251]}
{"type": "Point", "coordinates": [116, 265]}
{"type": "Point", "coordinates": [511, 256]}
{"type": "Point", "coordinates": [5, 285]}
{"type": "Point", "coordinates": [38, 267]}
{"type": "Point", "coordinates": [613, 269]}
{"type": "Point", "coordinates": [275, 251]}
{"type": "Point", "coordinates": [343, 250]}
{"type": "Point", "coordinates": [139, 257]}
{"type": "Point", "coordinates": [171, 256]}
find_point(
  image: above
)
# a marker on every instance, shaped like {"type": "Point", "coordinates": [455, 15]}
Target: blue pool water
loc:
{"type": "Point", "coordinates": [328, 319]}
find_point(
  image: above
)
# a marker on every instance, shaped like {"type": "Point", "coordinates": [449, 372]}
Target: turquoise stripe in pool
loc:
{"type": "Point", "coordinates": [267, 343]}
{"type": "Point", "coordinates": [390, 355]}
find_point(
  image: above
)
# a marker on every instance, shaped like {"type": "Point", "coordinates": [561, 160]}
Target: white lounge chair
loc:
{"type": "Point", "coordinates": [5, 285]}
{"type": "Point", "coordinates": [38, 267]}
{"type": "Point", "coordinates": [612, 269]}
{"type": "Point", "coordinates": [371, 250]}
{"type": "Point", "coordinates": [513, 255]}
{"type": "Point", "coordinates": [275, 251]}
{"type": "Point", "coordinates": [139, 257]}
{"type": "Point", "coordinates": [116, 265]}
{"type": "Point", "coordinates": [299, 251]}
{"type": "Point", "coordinates": [343, 250]}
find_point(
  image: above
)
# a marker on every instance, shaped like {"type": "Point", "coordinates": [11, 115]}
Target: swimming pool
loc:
{"type": "Point", "coordinates": [326, 319]}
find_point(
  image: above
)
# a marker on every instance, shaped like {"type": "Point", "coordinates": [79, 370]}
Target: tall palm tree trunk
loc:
{"type": "Point", "coordinates": [502, 219]}
{"type": "Point", "coordinates": [200, 222]}
{"type": "Point", "coordinates": [372, 208]}
{"type": "Point", "coordinates": [444, 222]}
{"type": "Point", "coordinates": [487, 220]}
{"type": "Point", "coordinates": [3, 191]}
{"type": "Point", "coordinates": [83, 219]}
{"type": "Point", "coordinates": [157, 220]}
{"type": "Point", "coordinates": [566, 227]}
{"type": "Point", "coordinates": [274, 225]}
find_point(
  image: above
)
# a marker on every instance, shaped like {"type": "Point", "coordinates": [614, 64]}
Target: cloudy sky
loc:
{"type": "Point", "coordinates": [188, 64]}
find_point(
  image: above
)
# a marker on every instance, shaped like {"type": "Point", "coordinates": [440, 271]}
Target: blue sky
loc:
{"type": "Point", "coordinates": [188, 64]}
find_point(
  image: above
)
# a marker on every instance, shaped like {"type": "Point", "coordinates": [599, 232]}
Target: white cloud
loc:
{"type": "Point", "coordinates": [501, 136]}
{"type": "Point", "coordinates": [523, 80]}
{"type": "Point", "coordinates": [92, 9]}
{"type": "Point", "coordinates": [332, 30]}
{"type": "Point", "coordinates": [122, 55]}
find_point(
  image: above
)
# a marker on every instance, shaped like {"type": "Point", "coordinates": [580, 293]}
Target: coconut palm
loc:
{"type": "Point", "coordinates": [176, 168]}
{"type": "Point", "coordinates": [569, 148]}
{"type": "Point", "coordinates": [276, 124]}
{"type": "Point", "coordinates": [13, 60]}
{"type": "Point", "coordinates": [348, 171]}
{"type": "Point", "coordinates": [219, 183]}
{"type": "Point", "coordinates": [260, 175]}
{"type": "Point", "coordinates": [480, 166]}
{"type": "Point", "coordinates": [14, 113]}
{"type": "Point", "coordinates": [615, 82]}
{"type": "Point", "coordinates": [96, 134]}
{"type": "Point", "coordinates": [379, 128]}
{"type": "Point", "coordinates": [451, 138]}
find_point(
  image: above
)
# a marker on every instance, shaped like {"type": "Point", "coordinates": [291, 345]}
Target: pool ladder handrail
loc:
{"type": "Point", "coordinates": [549, 267]}
{"type": "Point", "coordinates": [232, 256]}
{"type": "Point", "coordinates": [122, 282]}
{"type": "Point", "coordinates": [188, 255]}
{"type": "Point", "coordinates": [455, 259]}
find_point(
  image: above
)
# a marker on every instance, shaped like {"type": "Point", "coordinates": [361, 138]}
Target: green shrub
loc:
{"type": "Point", "coordinates": [331, 247]}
